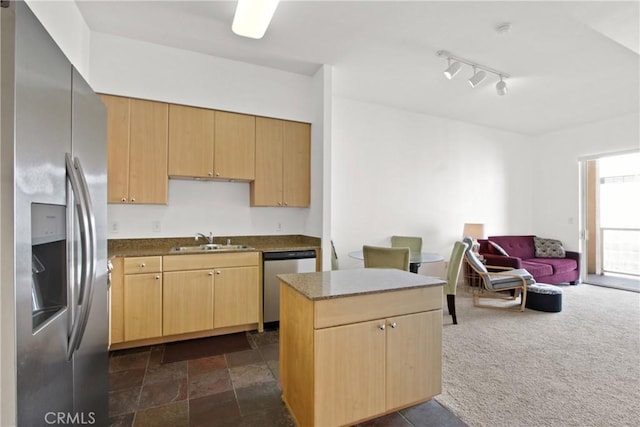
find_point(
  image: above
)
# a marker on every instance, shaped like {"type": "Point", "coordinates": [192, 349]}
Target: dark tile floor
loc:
{"type": "Point", "coordinates": [233, 389]}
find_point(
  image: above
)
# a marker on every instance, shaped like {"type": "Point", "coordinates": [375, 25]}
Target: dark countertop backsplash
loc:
{"type": "Point", "coordinates": [162, 246]}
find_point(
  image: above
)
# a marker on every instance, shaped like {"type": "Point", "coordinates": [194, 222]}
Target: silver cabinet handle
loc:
{"type": "Point", "coordinates": [133, 199]}
{"type": "Point", "coordinates": [218, 271]}
{"type": "Point", "coordinates": [157, 277]}
{"type": "Point", "coordinates": [393, 325]}
{"type": "Point", "coordinates": [382, 326]}
{"type": "Point", "coordinates": [210, 273]}
{"type": "Point", "coordinates": [286, 203]}
{"type": "Point", "coordinates": [210, 174]}
{"type": "Point", "coordinates": [124, 200]}
{"type": "Point", "coordinates": [142, 265]}
{"type": "Point", "coordinates": [217, 173]}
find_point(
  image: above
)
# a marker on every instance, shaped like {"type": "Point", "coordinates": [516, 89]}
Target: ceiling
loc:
{"type": "Point", "coordinates": [571, 62]}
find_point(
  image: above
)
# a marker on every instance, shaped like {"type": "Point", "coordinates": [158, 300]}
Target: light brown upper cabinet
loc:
{"type": "Point", "coordinates": [235, 148]}
{"type": "Point", "coordinates": [211, 144]}
{"type": "Point", "coordinates": [283, 164]}
{"type": "Point", "coordinates": [137, 150]}
{"type": "Point", "coordinates": [191, 139]}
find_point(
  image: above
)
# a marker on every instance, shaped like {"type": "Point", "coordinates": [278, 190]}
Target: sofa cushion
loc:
{"type": "Point", "coordinates": [548, 248]}
{"type": "Point", "coordinates": [517, 246]}
{"type": "Point", "coordinates": [496, 249]}
{"type": "Point", "coordinates": [559, 265]}
{"type": "Point", "coordinates": [537, 269]}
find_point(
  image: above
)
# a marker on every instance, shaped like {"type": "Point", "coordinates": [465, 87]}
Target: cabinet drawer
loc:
{"type": "Point", "coordinates": [150, 264]}
{"type": "Point", "coordinates": [359, 308]}
{"type": "Point", "coordinates": [204, 261]}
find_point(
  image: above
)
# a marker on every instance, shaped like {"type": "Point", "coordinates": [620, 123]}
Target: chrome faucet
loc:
{"type": "Point", "coordinates": [208, 238]}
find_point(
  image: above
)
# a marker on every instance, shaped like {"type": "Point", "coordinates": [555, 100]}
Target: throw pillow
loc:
{"type": "Point", "coordinates": [548, 248]}
{"type": "Point", "coordinates": [497, 249]}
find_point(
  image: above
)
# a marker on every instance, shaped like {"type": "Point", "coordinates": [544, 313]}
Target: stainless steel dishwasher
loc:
{"type": "Point", "coordinates": [303, 261]}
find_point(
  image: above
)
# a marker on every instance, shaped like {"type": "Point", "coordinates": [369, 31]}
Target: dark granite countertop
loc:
{"type": "Point", "coordinates": [162, 246]}
{"type": "Point", "coordinates": [341, 283]}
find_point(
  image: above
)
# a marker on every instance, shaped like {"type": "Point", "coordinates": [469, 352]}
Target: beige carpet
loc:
{"type": "Point", "coordinates": [579, 367]}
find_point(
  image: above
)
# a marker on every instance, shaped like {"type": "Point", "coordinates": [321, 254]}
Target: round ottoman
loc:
{"type": "Point", "coordinates": [543, 297]}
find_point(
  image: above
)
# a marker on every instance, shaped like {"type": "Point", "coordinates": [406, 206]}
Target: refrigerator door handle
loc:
{"type": "Point", "coordinates": [86, 222]}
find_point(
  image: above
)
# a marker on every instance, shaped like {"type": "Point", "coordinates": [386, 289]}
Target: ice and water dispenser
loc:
{"type": "Point", "coordinates": [48, 262]}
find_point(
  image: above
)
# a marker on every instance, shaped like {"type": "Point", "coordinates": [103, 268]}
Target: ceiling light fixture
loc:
{"type": "Point", "coordinates": [253, 17]}
{"type": "Point", "coordinates": [477, 78]}
{"type": "Point", "coordinates": [479, 71]}
{"type": "Point", "coordinates": [452, 70]}
{"type": "Point", "coordinates": [501, 87]}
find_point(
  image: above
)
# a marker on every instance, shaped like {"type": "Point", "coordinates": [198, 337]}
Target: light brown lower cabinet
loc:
{"type": "Point", "coordinates": [237, 296]}
{"type": "Point", "coordinates": [186, 296]}
{"type": "Point", "coordinates": [142, 306]}
{"type": "Point", "coordinates": [336, 370]}
{"type": "Point", "coordinates": [187, 304]}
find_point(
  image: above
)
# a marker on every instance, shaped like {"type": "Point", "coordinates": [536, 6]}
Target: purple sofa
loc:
{"type": "Point", "coordinates": [521, 253]}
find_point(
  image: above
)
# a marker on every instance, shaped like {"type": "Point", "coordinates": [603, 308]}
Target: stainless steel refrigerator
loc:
{"type": "Point", "coordinates": [53, 230]}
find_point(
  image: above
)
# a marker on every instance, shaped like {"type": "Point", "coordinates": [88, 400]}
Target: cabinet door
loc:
{"type": "Point", "coordinates": [142, 306]}
{"type": "Point", "coordinates": [190, 141]}
{"type": "Point", "coordinates": [237, 296]}
{"type": "Point", "coordinates": [117, 148]}
{"type": "Point", "coordinates": [187, 302]}
{"type": "Point", "coordinates": [414, 358]}
{"type": "Point", "coordinates": [148, 152]}
{"type": "Point", "coordinates": [235, 146]}
{"type": "Point", "coordinates": [297, 164]}
{"type": "Point", "coordinates": [266, 189]}
{"type": "Point", "coordinates": [349, 373]}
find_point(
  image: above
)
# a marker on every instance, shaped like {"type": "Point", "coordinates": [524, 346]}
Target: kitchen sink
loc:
{"type": "Point", "coordinates": [211, 248]}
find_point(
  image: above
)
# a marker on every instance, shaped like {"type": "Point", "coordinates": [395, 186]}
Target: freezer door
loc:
{"type": "Point", "coordinates": [89, 147]}
{"type": "Point", "coordinates": [42, 136]}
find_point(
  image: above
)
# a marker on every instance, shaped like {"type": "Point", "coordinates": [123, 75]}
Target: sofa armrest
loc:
{"type": "Point", "coordinates": [573, 255]}
{"type": "Point", "coordinates": [503, 261]}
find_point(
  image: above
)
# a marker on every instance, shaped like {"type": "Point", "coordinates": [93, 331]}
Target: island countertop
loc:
{"type": "Point", "coordinates": [341, 283]}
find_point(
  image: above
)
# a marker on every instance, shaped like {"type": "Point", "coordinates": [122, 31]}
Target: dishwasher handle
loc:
{"type": "Point", "coordinates": [277, 256]}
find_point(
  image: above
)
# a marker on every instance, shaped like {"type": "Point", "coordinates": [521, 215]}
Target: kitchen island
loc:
{"type": "Point", "coordinates": [357, 344]}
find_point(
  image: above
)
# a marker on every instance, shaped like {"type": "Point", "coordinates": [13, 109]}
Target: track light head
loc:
{"type": "Point", "coordinates": [501, 87]}
{"type": "Point", "coordinates": [452, 70]}
{"type": "Point", "coordinates": [477, 77]}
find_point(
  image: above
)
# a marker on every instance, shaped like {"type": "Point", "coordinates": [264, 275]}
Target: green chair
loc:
{"type": "Point", "coordinates": [415, 246]}
{"type": "Point", "coordinates": [334, 257]}
{"type": "Point", "coordinates": [453, 273]}
{"type": "Point", "coordinates": [381, 257]}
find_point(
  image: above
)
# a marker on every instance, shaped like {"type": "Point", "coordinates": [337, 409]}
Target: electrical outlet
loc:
{"type": "Point", "coordinates": [114, 227]}
{"type": "Point", "coordinates": [279, 226]}
{"type": "Point", "coordinates": [155, 226]}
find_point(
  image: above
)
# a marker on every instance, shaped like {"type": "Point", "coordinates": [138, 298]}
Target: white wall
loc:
{"type": "Point", "coordinates": [123, 66]}
{"type": "Point", "coordinates": [395, 172]}
{"type": "Point", "coordinates": [63, 21]}
{"type": "Point", "coordinates": [556, 193]}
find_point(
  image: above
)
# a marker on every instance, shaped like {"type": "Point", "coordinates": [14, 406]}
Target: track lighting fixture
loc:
{"type": "Point", "coordinates": [477, 78]}
{"type": "Point", "coordinates": [479, 71]}
{"type": "Point", "coordinates": [452, 70]}
{"type": "Point", "coordinates": [501, 87]}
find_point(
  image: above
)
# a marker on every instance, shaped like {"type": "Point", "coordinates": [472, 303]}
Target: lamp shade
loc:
{"type": "Point", "coordinates": [473, 230]}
